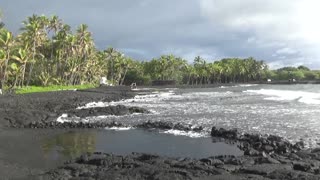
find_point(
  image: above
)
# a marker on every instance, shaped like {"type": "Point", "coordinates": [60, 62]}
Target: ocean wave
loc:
{"type": "Point", "coordinates": [65, 118]}
{"type": "Point", "coordinates": [207, 94]}
{"type": "Point", "coordinates": [247, 85]}
{"type": "Point", "coordinates": [62, 118]}
{"type": "Point", "coordinates": [286, 95]}
{"type": "Point", "coordinates": [143, 89]}
{"type": "Point", "coordinates": [153, 97]}
{"type": "Point", "coordinates": [191, 134]}
{"type": "Point", "coordinates": [240, 85]}
{"type": "Point", "coordinates": [119, 128]}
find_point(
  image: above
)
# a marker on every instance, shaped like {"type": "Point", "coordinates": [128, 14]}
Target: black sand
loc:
{"type": "Point", "coordinates": [20, 110]}
{"type": "Point", "coordinates": [269, 157]}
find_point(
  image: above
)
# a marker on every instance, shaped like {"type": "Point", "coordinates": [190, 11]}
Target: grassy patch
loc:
{"type": "Point", "coordinates": [33, 89]}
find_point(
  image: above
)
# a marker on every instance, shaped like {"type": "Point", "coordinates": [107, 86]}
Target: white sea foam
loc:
{"type": "Point", "coordinates": [185, 133]}
{"type": "Point", "coordinates": [157, 99]}
{"type": "Point", "coordinates": [92, 105]}
{"type": "Point", "coordinates": [143, 89]}
{"type": "Point", "coordinates": [62, 118]}
{"type": "Point", "coordinates": [119, 128]}
{"type": "Point", "coordinates": [229, 108]}
{"type": "Point", "coordinates": [207, 94]}
{"type": "Point", "coordinates": [240, 85]}
{"type": "Point", "coordinates": [65, 118]}
{"type": "Point", "coordinates": [286, 95]}
{"type": "Point", "coordinates": [248, 85]}
{"type": "Point", "coordinates": [154, 96]}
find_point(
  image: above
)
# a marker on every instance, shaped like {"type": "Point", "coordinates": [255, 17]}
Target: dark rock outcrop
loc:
{"type": "Point", "coordinates": [71, 125]}
{"type": "Point", "coordinates": [160, 125]}
{"type": "Point", "coordinates": [22, 110]}
{"type": "Point", "coordinates": [264, 158]}
{"type": "Point", "coordinates": [151, 167]}
{"type": "Point", "coordinates": [255, 144]}
{"type": "Point", "coordinates": [119, 110]}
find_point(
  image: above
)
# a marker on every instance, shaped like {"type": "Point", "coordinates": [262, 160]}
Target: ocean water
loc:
{"type": "Point", "coordinates": [290, 111]}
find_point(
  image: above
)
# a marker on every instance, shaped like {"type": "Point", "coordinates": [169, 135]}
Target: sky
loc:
{"type": "Point", "coordinates": [280, 32]}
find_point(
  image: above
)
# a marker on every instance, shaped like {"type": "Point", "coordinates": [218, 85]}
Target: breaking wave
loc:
{"type": "Point", "coordinates": [286, 95]}
{"type": "Point", "coordinates": [191, 134]}
{"type": "Point", "coordinates": [249, 108]}
{"type": "Point", "coordinates": [119, 128]}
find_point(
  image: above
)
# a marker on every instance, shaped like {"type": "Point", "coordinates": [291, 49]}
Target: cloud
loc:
{"type": "Point", "coordinates": [287, 27]}
{"type": "Point", "coordinates": [279, 32]}
{"type": "Point", "coordinates": [286, 51]}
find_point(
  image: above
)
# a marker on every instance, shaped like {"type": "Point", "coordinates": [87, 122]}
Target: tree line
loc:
{"type": "Point", "coordinates": [48, 52]}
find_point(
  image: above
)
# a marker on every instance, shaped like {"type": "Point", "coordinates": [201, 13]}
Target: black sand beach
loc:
{"type": "Point", "coordinates": [21, 110]}
{"type": "Point", "coordinates": [265, 157]}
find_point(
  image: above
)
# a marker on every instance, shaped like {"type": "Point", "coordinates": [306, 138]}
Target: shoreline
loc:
{"type": "Point", "coordinates": [216, 85]}
{"type": "Point", "coordinates": [265, 156]}
{"type": "Point", "coordinates": [22, 110]}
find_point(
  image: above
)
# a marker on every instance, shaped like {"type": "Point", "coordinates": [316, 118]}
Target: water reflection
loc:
{"type": "Point", "coordinates": [70, 144]}
{"type": "Point", "coordinates": [67, 145]}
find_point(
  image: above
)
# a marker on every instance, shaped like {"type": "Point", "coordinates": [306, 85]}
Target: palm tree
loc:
{"type": "Point", "coordinates": [35, 35]}
{"type": "Point", "coordinates": [54, 25]}
{"type": "Point", "coordinates": [126, 65]}
{"type": "Point", "coordinates": [84, 41]}
{"type": "Point", "coordinates": [61, 47]}
{"type": "Point", "coordinates": [22, 57]}
{"type": "Point", "coordinates": [192, 74]}
{"type": "Point", "coordinates": [112, 55]}
{"type": "Point", "coordinates": [6, 41]}
{"type": "Point", "coordinates": [72, 58]}
{"type": "Point", "coordinates": [200, 67]}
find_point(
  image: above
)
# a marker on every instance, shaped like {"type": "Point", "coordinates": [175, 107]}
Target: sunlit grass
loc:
{"type": "Point", "coordinates": [34, 89]}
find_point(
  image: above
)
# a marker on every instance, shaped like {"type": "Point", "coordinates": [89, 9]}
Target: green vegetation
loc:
{"type": "Point", "coordinates": [299, 73]}
{"type": "Point", "coordinates": [48, 53]}
{"type": "Point", "coordinates": [33, 89]}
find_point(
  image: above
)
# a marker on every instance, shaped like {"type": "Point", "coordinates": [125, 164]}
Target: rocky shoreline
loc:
{"type": "Point", "coordinates": [265, 156]}
{"type": "Point", "coordinates": [22, 110]}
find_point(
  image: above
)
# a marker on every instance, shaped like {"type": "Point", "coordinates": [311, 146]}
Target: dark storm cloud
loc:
{"type": "Point", "coordinates": [210, 28]}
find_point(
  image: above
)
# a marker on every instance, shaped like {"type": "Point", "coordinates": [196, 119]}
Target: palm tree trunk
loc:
{"type": "Point", "coordinates": [112, 72]}
{"type": "Point", "coordinates": [124, 76]}
{"type": "Point", "coordinates": [23, 73]}
{"type": "Point", "coordinates": [31, 66]}
{"type": "Point", "coordinates": [4, 79]}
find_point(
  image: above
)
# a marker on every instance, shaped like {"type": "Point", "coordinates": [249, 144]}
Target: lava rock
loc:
{"type": "Point", "coordinates": [118, 110]}
{"type": "Point", "coordinates": [302, 166]}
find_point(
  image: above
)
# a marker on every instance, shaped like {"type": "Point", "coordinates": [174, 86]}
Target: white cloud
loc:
{"type": "Point", "coordinates": [286, 50]}
{"type": "Point", "coordinates": [251, 40]}
{"type": "Point", "coordinates": [288, 26]}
